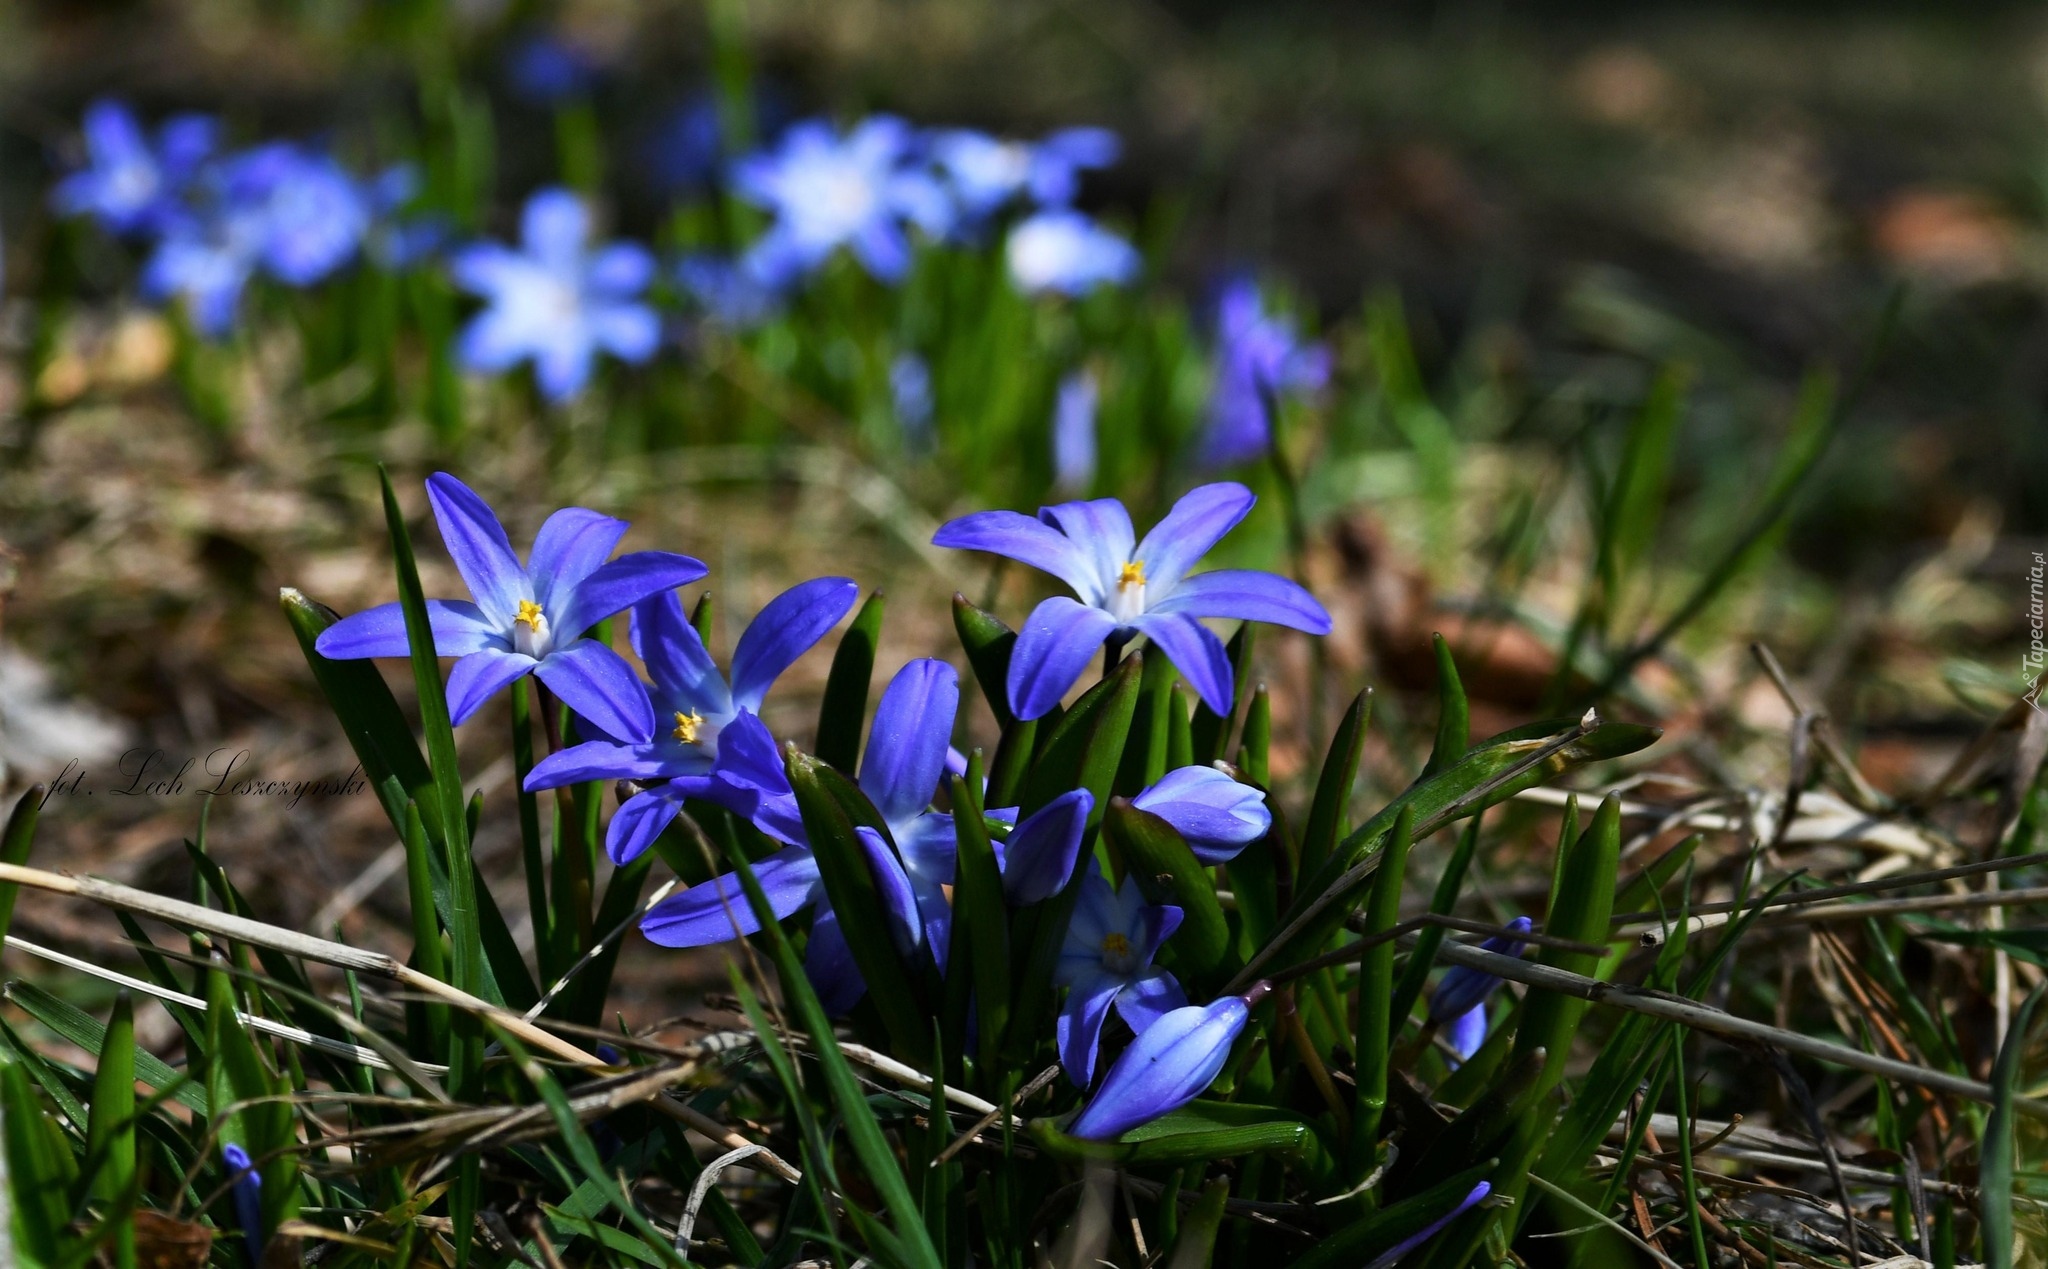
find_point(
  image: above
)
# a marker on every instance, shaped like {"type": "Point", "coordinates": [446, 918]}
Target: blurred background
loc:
{"type": "Point", "coordinates": [1604, 288]}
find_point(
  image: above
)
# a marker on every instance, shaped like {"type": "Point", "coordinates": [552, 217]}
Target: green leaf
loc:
{"type": "Point", "coordinates": [1995, 1169]}
{"type": "Point", "coordinates": [1376, 1026]}
{"type": "Point", "coordinates": [1144, 759]}
{"type": "Point", "coordinates": [1084, 749]}
{"type": "Point", "coordinates": [1333, 787]}
{"type": "Point", "coordinates": [16, 840]}
{"type": "Point", "coordinates": [1167, 872]}
{"type": "Point", "coordinates": [1196, 1246]}
{"type": "Point", "coordinates": [870, 1146]}
{"type": "Point", "coordinates": [110, 1129]}
{"type": "Point", "coordinates": [1254, 753]}
{"type": "Point", "coordinates": [987, 642]}
{"type": "Point", "coordinates": [237, 1073]}
{"type": "Point", "coordinates": [846, 688]}
{"type": "Point", "coordinates": [822, 796]}
{"type": "Point", "coordinates": [981, 917]}
{"type": "Point", "coordinates": [1373, 1236]}
{"type": "Point", "coordinates": [1209, 732]}
{"type": "Point", "coordinates": [1199, 1131]}
{"type": "Point", "coordinates": [87, 1032]}
{"type": "Point", "coordinates": [1454, 716]}
{"type": "Point", "coordinates": [1416, 972]}
{"type": "Point", "coordinates": [40, 1172]}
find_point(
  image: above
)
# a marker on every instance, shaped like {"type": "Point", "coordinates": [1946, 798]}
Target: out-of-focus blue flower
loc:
{"type": "Point", "coordinates": [1128, 588]}
{"type": "Point", "coordinates": [1107, 958]}
{"type": "Point", "coordinates": [280, 208]}
{"type": "Point", "coordinates": [245, 1188]}
{"type": "Point", "coordinates": [985, 172]}
{"type": "Point", "coordinates": [543, 68]}
{"type": "Point", "coordinates": [1215, 815]}
{"type": "Point", "coordinates": [1392, 1256]}
{"type": "Point", "coordinates": [899, 772]}
{"type": "Point", "coordinates": [694, 707]}
{"type": "Point", "coordinates": [1259, 359]}
{"type": "Point", "coordinates": [129, 185]}
{"type": "Point", "coordinates": [1073, 432]}
{"type": "Point", "coordinates": [555, 301]}
{"type": "Point", "coordinates": [1462, 989]}
{"type": "Point", "coordinates": [688, 148]}
{"type": "Point", "coordinates": [1165, 1068]}
{"type": "Point", "coordinates": [736, 293]}
{"type": "Point", "coordinates": [910, 386]}
{"type": "Point", "coordinates": [1065, 253]}
{"type": "Point", "coordinates": [828, 192]}
{"type": "Point", "coordinates": [528, 618]}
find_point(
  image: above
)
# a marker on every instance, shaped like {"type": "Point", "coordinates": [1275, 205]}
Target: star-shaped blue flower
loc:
{"type": "Point", "coordinates": [1127, 588]}
{"type": "Point", "coordinates": [1063, 252]}
{"type": "Point", "coordinates": [1107, 959]}
{"type": "Point", "coordinates": [528, 618]}
{"type": "Point", "coordinates": [1259, 359]}
{"type": "Point", "coordinates": [554, 301]}
{"type": "Point", "coordinates": [128, 184]}
{"type": "Point", "coordinates": [828, 192]}
{"type": "Point", "coordinates": [985, 173]}
{"type": "Point", "coordinates": [699, 738]}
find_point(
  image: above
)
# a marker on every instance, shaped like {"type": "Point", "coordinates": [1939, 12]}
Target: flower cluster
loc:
{"type": "Point", "coordinates": [691, 733]}
{"type": "Point", "coordinates": [211, 221]}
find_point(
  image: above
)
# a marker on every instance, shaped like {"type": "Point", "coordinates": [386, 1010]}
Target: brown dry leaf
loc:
{"type": "Point", "coordinates": [1946, 235]}
{"type": "Point", "coordinates": [162, 1242]}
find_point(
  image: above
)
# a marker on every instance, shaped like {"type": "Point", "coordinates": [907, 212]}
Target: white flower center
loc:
{"type": "Point", "coordinates": [1127, 599]}
{"type": "Point", "coordinates": [531, 635]}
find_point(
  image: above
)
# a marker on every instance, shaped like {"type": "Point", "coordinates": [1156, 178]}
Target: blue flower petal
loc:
{"type": "Point", "coordinates": [1150, 996]}
{"type": "Point", "coordinates": [1053, 650]}
{"type": "Point", "coordinates": [829, 964]}
{"type": "Point", "coordinates": [1025, 539]}
{"type": "Point", "coordinates": [906, 752]}
{"type": "Point", "coordinates": [459, 629]}
{"type": "Point", "coordinates": [619, 585]}
{"type": "Point", "coordinates": [574, 543]}
{"type": "Point", "coordinates": [717, 910]}
{"type": "Point", "coordinates": [1079, 1029]}
{"type": "Point", "coordinates": [603, 760]}
{"type": "Point", "coordinates": [1196, 523]}
{"type": "Point", "coordinates": [479, 676]}
{"type": "Point", "coordinates": [786, 628]}
{"type": "Point", "coordinates": [675, 656]}
{"type": "Point", "coordinates": [1038, 859]}
{"type": "Point", "coordinates": [476, 542]}
{"type": "Point", "coordinates": [1196, 652]}
{"type": "Point", "coordinates": [1216, 815]}
{"type": "Point", "coordinates": [1166, 1067]}
{"type": "Point", "coordinates": [1249, 595]}
{"type": "Point", "coordinates": [595, 682]}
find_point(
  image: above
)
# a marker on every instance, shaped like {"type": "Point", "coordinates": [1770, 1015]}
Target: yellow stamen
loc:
{"type": "Point", "coordinates": [529, 615]}
{"type": "Point", "coordinates": [687, 725]}
{"type": "Point", "coordinates": [1115, 945]}
{"type": "Point", "coordinates": [1132, 574]}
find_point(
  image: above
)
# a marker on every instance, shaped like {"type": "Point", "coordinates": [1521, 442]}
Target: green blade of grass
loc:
{"type": "Point", "coordinates": [846, 687]}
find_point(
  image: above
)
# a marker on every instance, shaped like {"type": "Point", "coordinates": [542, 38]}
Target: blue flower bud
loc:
{"type": "Point", "coordinates": [1166, 1067]}
{"type": "Point", "coordinates": [1431, 1230]}
{"type": "Point", "coordinates": [246, 1188]}
{"type": "Point", "coordinates": [1462, 988]}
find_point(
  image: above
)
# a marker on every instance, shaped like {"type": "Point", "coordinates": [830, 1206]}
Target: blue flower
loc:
{"type": "Point", "coordinates": [1392, 1256]}
{"type": "Point", "coordinates": [290, 212]}
{"type": "Point", "coordinates": [1463, 989]}
{"type": "Point", "coordinates": [1466, 1032]}
{"type": "Point", "coordinates": [1107, 958]}
{"type": "Point", "coordinates": [554, 301]}
{"type": "Point", "coordinates": [985, 172]}
{"type": "Point", "coordinates": [545, 69]}
{"type": "Point", "coordinates": [828, 192]}
{"type": "Point", "coordinates": [1063, 252]}
{"type": "Point", "coordinates": [1073, 432]}
{"type": "Point", "coordinates": [129, 185]}
{"type": "Point", "coordinates": [1128, 588]}
{"type": "Point", "coordinates": [912, 865]}
{"type": "Point", "coordinates": [245, 1186]}
{"type": "Point", "coordinates": [695, 709]}
{"type": "Point", "coordinates": [1258, 360]}
{"type": "Point", "coordinates": [736, 293]}
{"type": "Point", "coordinates": [910, 384]}
{"type": "Point", "coordinates": [528, 619]}
{"type": "Point", "coordinates": [1165, 1068]}
{"type": "Point", "coordinates": [1215, 815]}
